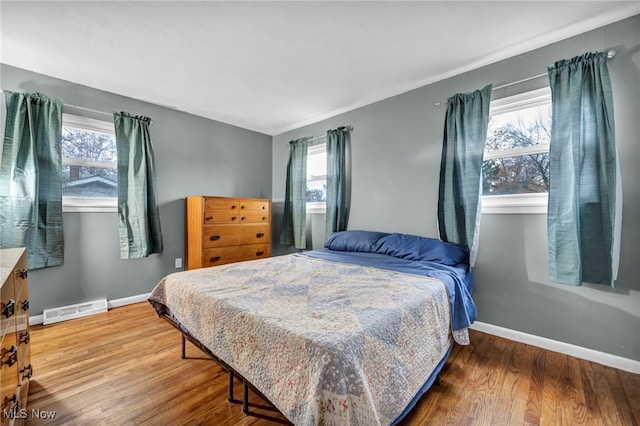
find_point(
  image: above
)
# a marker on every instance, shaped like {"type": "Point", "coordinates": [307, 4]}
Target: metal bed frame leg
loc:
{"type": "Point", "coordinates": [230, 395]}
{"type": "Point", "coordinates": [245, 397]}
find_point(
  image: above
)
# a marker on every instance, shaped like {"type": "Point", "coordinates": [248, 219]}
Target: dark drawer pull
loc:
{"type": "Point", "coordinates": [260, 235]}
{"type": "Point", "coordinates": [24, 337]}
{"type": "Point", "coordinates": [25, 305]}
{"type": "Point", "coordinates": [11, 354]}
{"type": "Point", "coordinates": [264, 218]}
{"type": "Point", "coordinates": [9, 309]}
{"type": "Point", "coordinates": [208, 218]}
{"type": "Point", "coordinates": [23, 274]}
{"type": "Point", "coordinates": [27, 372]}
{"type": "Point", "coordinates": [214, 259]}
{"type": "Point", "coordinates": [13, 411]}
{"type": "Point", "coordinates": [233, 207]}
{"type": "Point", "coordinates": [264, 207]}
{"type": "Point", "coordinates": [242, 207]}
{"type": "Point", "coordinates": [234, 218]}
{"type": "Point", "coordinates": [259, 252]}
{"type": "Point", "coordinates": [243, 218]}
{"type": "Point", "coordinates": [214, 237]}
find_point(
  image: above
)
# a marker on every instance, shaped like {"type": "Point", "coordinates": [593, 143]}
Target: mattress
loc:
{"type": "Point", "coordinates": [327, 337]}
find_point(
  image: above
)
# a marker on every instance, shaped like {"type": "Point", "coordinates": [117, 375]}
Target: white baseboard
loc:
{"type": "Point", "coordinates": [115, 303]}
{"type": "Point", "coordinates": [604, 358]}
{"type": "Point", "coordinates": [36, 319]}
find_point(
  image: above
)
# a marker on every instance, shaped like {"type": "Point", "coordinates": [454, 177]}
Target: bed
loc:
{"type": "Point", "coordinates": [352, 334]}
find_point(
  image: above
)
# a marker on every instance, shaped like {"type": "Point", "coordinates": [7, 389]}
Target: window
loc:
{"type": "Point", "coordinates": [89, 165]}
{"type": "Point", "coordinates": [515, 170]}
{"type": "Point", "coordinates": [317, 178]}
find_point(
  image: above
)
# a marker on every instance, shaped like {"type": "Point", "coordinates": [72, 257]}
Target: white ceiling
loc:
{"type": "Point", "coordinates": [275, 66]}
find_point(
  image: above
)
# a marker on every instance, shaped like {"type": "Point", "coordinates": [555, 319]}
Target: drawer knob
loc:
{"type": "Point", "coordinates": [233, 207]}
{"type": "Point", "coordinates": [234, 218]}
{"type": "Point", "coordinates": [214, 237]}
{"type": "Point", "coordinates": [264, 218]}
{"type": "Point", "coordinates": [260, 235]}
{"type": "Point", "coordinates": [243, 218]}
{"type": "Point", "coordinates": [27, 372]}
{"type": "Point", "coordinates": [214, 259]}
{"type": "Point", "coordinates": [208, 218]}
{"type": "Point", "coordinates": [25, 305]}
{"type": "Point", "coordinates": [242, 206]}
{"type": "Point", "coordinates": [9, 309]}
{"type": "Point", "coordinates": [259, 252]}
{"type": "Point", "coordinates": [23, 274]}
{"type": "Point", "coordinates": [10, 400]}
{"type": "Point", "coordinates": [25, 338]}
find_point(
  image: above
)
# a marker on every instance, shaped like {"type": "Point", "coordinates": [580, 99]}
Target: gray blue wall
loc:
{"type": "Point", "coordinates": [193, 156]}
{"type": "Point", "coordinates": [396, 146]}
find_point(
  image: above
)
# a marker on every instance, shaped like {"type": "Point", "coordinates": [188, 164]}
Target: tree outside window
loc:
{"type": "Point", "coordinates": [516, 159]}
{"type": "Point", "coordinates": [89, 165]}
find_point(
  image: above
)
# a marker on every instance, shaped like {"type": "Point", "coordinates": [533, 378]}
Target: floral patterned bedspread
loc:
{"type": "Point", "coordinates": [327, 343]}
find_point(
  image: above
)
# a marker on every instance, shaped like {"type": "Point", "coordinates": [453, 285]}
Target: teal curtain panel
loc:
{"type": "Point", "coordinates": [465, 133]}
{"type": "Point", "coordinates": [31, 178]}
{"type": "Point", "coordinates": [294, 221]}
{"type": "Point", "coordinates": [583, 173]}
{"type": "Point", "coordinates": [337, 185]}
{"type": "Point", "coordinates": [138, 214]}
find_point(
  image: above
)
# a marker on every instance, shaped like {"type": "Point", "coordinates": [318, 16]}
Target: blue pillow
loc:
{"type": "Point", "coordinates": [412, 247]}
{"type": "Point", "coordinates": [362, 241]}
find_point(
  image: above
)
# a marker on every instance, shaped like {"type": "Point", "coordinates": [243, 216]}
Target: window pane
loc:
{"type": "Point", "coordinates": [317, 191]}
{"type": "Point", "coordinates": [88, 145]}
{"type": "Point", "coordinates": [317, 165]}
{"type": "Point", "coordinates": [521, 174]}
{"type": "Point", "coordinates": [85, 180]}
{"type": "Point", "coordinates": [506, 173]}
{"type": "Point", "coordinates": [79, 181]}
{"type": "Point", "coordinates": [317, 176]}
{"type": "Point", "coordinates": [519, 129]}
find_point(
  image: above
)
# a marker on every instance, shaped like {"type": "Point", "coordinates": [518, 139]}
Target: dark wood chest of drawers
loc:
{"type": "Point", "coordinates": [15, 364]}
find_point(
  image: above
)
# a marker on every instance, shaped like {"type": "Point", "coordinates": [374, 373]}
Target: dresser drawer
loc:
{"type": "Point", "coordinates": [229, 235]}
{"type": "Point", "coordinates": [8, 309]}
{"type": "Point", "coordinates": [8, 372]}
{"type": "Point", "coordinates": [222, 255]}
{"type": "Point", "coordinates": [228, 204]}
{"type": "Point", "coordinates": [246, 205]}
{"type": "Point", "coordinates": [213, 217]}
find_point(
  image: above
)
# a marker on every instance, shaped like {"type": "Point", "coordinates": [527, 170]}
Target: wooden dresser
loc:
{"type": "Point", "coordinates": [14, 337]}
{"type": "Point", "coordinates": [223, 230]}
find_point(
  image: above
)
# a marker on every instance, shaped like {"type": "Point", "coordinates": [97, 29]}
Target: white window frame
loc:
{"type": "Point", "coordinates": [534, 203]}
{"type": "Point", "coordinates": [317, 207]}
{"type": "Point", "coordinates": [88, 204]}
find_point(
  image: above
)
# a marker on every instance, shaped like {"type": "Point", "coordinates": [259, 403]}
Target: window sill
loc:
{"type": "Point", "coordinates": [515, 204]}
{"type": "Point", "coordinates": [317, 207]}
{"type": "Point", "coordinates": [89, 205]}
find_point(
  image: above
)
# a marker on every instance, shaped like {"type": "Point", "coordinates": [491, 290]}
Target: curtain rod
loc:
{"type": "Point", "coordinates": [343, 128]}
{"type": "Point", "coordinates": [610, 54]}
{"type": "Point", "coordinates": [95, 111]}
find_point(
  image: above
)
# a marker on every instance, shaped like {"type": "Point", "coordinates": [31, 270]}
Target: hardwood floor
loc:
{"type": "Point", "coordinates": [123, 367]}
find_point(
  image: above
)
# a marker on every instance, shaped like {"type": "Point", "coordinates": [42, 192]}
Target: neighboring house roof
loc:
{"type": "Point", "coordinates": [92, 180]}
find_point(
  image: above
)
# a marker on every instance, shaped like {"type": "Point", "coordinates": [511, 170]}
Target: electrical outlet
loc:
{"type": "Point", "coordinates": [178, 262]}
